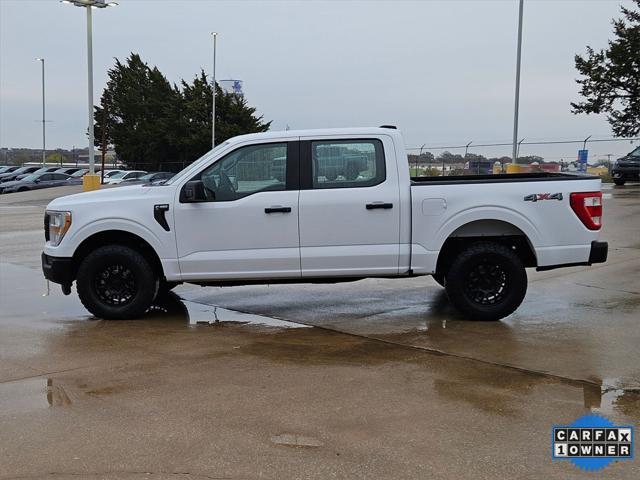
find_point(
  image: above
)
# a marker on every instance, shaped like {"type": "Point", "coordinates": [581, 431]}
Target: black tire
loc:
{"type": "Point", "coordinates": [22, 189]}
{"type": "Point", "coordinates": [439, 278]}
{"type": "Point", "coordinates": [164, 289]}
{"type": "Point", "coordinates": [619, 181]}
{"type": "Point", "coordinates": [116, 282]}
{"type": "Point", "coordinates": [486, 281]}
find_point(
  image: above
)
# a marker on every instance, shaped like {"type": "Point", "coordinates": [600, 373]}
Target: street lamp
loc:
{"type": "Point", "coordinates": [89, 4]}
{"type": "Point", "coordinates": [517, 100]}
{"type": "Point", "coordinates": [213, 112]}
{"type": "Point", "coordinates": [418, 159]}
{"type": "Point", "coordinates": [44, 148]}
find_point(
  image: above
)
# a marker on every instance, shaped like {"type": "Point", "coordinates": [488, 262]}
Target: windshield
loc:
{"type": "Point", "coordinates": [118, 175]}
{"type": "Point", "coordinates": [203, 159]}
{"type": "Point", "coordinates": [30, 178]}
{"type": "Point", "coordinates": [635, 153]}
{"type": "Point", "coordinates": [112, 173]}
{"type": "Point", "coordinates": [79, 173]}
{"type": "Point", "coordinates": [148, 176]}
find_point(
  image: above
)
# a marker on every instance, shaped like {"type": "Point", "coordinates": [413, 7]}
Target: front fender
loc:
{"type": "Point", "coordinates": [74, 238]}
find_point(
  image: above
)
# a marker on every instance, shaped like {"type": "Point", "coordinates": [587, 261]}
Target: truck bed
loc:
{"type": "Point", "coordinates": [500, 178]}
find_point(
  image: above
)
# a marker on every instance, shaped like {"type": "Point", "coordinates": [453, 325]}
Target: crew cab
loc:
{"type": "Point", "coordinates": [320, 206]}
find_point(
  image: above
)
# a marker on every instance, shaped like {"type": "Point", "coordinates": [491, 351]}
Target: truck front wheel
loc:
{"type": "Point", "coordinates": [116, 282]}
{"type": "Point", "coordinates": [619, 181]}
{"type": "Point", "coordinates": [486, 281]}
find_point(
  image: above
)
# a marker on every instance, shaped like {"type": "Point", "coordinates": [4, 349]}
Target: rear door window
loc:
{"type": "Point", "coordinates": [347, 163]}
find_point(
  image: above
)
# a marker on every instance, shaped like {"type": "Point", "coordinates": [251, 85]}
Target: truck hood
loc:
{"type": "Point", "coordinates": [123, 195]}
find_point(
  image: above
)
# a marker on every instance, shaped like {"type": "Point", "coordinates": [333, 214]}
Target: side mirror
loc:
{"type": "Point", "coordinates": [36, 180]}
{"type": "Point", "coordinates": [193, 192]}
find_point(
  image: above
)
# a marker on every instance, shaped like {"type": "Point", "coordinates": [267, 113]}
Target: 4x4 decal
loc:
{"type": "Point", "coordinates": [534, 197]}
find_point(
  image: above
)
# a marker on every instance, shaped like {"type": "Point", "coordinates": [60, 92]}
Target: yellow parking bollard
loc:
{"type": "Point", "coordinates": [91, 181]}
{"type": "Point", "coordinates": [513, 168]}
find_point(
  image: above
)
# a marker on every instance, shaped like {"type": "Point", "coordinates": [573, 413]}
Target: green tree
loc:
{"type": "Point", "coordinates": [155, 125]}
{"type": "Point", "coordinates": [448, 157]}
{"type": "Point", "coordinates": [233, 116]}
{"type": "Point", "coordinates": [610, 80]}
{"type": "Point", "coordinates": [136, 110]}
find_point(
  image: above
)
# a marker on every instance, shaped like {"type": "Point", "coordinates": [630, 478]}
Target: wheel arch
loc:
{"type": "Point", "coordinates": [117, 237]}
{"type": "Point", "coordinates": [493, 230]}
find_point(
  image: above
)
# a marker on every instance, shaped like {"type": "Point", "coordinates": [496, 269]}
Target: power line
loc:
{"type": "Point", "coordinates": [548, 142]}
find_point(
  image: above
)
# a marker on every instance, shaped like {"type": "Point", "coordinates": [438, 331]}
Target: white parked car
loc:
{"type": "Point", "coordinates": [110, 173]}
{"type": "Point", "coordinates": [123, 175]}
{"type": "Point", "coordinates": [321, 205]}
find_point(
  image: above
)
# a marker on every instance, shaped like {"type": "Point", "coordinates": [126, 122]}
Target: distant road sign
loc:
{"type": "Point", "coordinates": [231, 86]}
{"type": "Point", "coordinates": [583, 155]}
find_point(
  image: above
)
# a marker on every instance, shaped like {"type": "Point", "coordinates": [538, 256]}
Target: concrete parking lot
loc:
{"type": "Point", "coordinates": [371, 379]}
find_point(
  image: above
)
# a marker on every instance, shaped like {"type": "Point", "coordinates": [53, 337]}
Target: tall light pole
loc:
{"type": "Point", "coordinates": [88, 5]}
{"type": "Point", "coordinates": [517, 100]}
{"type": "Point", "coordinates": [44, 144]}
{"type": "Point", "coordinates": [213, 110]}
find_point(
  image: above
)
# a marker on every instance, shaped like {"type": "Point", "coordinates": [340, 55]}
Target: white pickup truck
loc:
{"type": "Point", "coordinates": [320, 206]}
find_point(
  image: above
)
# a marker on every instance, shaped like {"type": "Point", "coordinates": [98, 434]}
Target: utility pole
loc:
{"type": "Point", "coordinates": [517, 99]}
{"type": "Point", "coordinates": [417, 159]}
{"type": "Point", "coordinates": [88, 5]}
{"type": "Point", "coordinates": [104, 137]}
{"type": "Point", "coordinates": [44, 145]}
{"type": "Point", "coordinates": [213, 112]}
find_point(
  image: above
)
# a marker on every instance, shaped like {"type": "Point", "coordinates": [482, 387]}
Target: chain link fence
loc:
{"type": "Point", "coordinates": [536, 155]}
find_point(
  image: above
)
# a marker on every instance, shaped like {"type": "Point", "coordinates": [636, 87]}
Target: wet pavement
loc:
{"type": "Point", "coordinates": [389, 383]}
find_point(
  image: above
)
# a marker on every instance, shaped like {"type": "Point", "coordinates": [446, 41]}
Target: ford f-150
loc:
{"type": "Point", "coordinates": [317, 206]}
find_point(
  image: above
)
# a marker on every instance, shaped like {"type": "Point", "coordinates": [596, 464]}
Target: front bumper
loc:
{"type": "Point", "coordinates": [57, 269]}
{"type": "Point", "coordinates": [626, 173]}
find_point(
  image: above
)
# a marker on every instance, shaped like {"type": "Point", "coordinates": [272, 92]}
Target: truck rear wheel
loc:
{"type": "Point", "coordinates": [439, 278]}
{"type": "Point", "coordinates": [486, 281]}
{"type": "Point", "coordinates": [116, 282]}
{"type": "Point", "coordinates": [619, 181]}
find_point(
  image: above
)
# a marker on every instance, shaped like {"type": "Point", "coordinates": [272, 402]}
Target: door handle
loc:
{"type": "Point", "coordinates": [277, 209]}
{"type": "Point", "coordinates": [375, 205]}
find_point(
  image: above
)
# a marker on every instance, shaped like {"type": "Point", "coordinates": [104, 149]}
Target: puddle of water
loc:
{"type": "Point", "coordinates": [202, 314]}
{"type": "Point", "coordinates": [608, 398]}
{"type": "Point", "coordinates": [24, 396]}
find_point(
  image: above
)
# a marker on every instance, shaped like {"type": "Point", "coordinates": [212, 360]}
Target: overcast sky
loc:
{"type": "Point", "coordinates": [443, 71]}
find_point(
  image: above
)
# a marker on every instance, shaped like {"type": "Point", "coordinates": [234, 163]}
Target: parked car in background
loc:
{"type": "Point", "coordinates": [627, 168]}
{"type": "Point", "coordinates": [112, 172]}
{"type": "Point", "coordinates": [149, 178]}
{"type": "Point", "coordinates": [8, 169]}
{"type": "Point", "coordinates": [68, 171]}
{"type": "Point", "coordinates": [35, 181]}
{"type": "Point", "coordinates": [76, 177]}
{"type": "Point", "coordinates": [124, 175]}
{"type": "Point", "coordinates": [46, 169]}
{"type": "Point", "coordinates": [7, 177]}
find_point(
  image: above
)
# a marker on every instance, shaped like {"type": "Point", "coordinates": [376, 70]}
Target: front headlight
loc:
{"type": "Point", "coordinates": [56, 225]}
